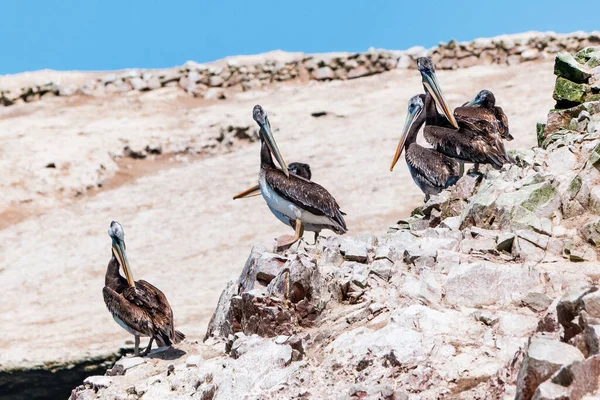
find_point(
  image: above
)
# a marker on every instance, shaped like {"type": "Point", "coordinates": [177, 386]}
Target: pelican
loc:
{"type": "Point", "coordinates": [462, 142]}
{"type": "Point", "coordinates": [432, 171]}
{"type": "Point", "coordinates": [294, 200]}
{"type": "Point", "coordinates": [297, 168]}
{"type": "Point", "coordinates": [482, 115]}
{"type": "Point", "coordinates": [138, 307]}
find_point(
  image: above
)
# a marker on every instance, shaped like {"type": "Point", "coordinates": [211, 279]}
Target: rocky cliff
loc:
{"type": "Point", "coordinates": [489, 290]}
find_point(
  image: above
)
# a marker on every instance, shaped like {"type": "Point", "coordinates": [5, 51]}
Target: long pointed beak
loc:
{"type": "Point", "coordinates": [473, 103]}
{"type": "Point", "coordinates": [253, 191]}
{"type": "Point", "coordinates": [268, 135]}
{"type": "Point", "coordinates": [433, 87]}
{"type": "Point", "coordinates": [409, 120]}
{"type": "Point", "coordinates": [119, 252]}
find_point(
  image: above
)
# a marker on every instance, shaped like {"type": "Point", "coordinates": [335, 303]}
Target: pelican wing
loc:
{"type": "Point", "coordinates": [503, 122]}
{"type": "Point", "coordinates": [131, 315]}
{"type": "Point", "coordinates": [477, 119]}
{"type": "Point", "coordinates": [156, 304]}
{"type": "Point", "coordinates": [467, 145]}
{"type": "Point", "coordinates": [307, 194]}
{"type": "Point", "coordinates": [432, 166]}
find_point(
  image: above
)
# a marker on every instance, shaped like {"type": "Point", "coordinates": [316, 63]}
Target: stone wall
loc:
{"type": "Point", "coordinates": [213, 81]}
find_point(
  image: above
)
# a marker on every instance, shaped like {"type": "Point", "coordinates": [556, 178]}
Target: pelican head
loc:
{"type": "Point", "coordinates": [117, 234]}
{"type": "Point", "coordinates": [431, 85]}
{"type": "Point", "coordinates": [260, 116]}
{"type": "Point", "coordinates": [301, 169]}
{"type": "Point", "coordinates": [415, 108]}
{"type": "Point", "coordinates": [484, 98]}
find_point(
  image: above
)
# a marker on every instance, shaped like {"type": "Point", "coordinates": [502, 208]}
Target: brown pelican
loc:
{"type": "Point", "coordinates": [297, 168]}
{"type": "Point", "coordinates": [432, 171]}
{"type": "Point", "coordinates": [138, 307]}
{"type": "Point", "coordinates": [465, 144]}
{"type": "Point", "coordinates": [294, 200]}
{"type": "Point", "coordinates": [482, 115]}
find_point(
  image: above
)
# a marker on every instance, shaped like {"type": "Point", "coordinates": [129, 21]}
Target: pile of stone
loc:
{"type": "Point", "coordinates": [577, 95]}
{"type": "Point", "coordinates": [212, 81]}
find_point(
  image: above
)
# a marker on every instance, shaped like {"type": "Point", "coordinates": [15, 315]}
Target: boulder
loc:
{"type": "Point", "coordinates": [543, 357]}
{"type": "Point", "coordinates": [573, 381]}
{"type": "Point", "coordinates": [570, 93]}
{"type": "Point", "coordinates": [567, 67]}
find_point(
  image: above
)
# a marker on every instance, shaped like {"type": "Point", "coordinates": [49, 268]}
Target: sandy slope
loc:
{"type": "Point", "coordinates": [183, 231]}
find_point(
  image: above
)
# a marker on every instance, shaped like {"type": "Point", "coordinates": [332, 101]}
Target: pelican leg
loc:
{"type": "Point", "coordinates": [285, 241]}
{"type": "Point", "coordinates": [461, 171]}
{"type": "Point", "coordinates": [148, 348]}
{"type": "Point", "coordinates": [427, 196]}
{"type": "Point", "coordinates": [286, 283]}
{"type": "Point", "coordinates": [136, 350]}
{"type": "Point", "coordinates": [316, 237]}
{"type": "Point", "coordinates": [474, 170]}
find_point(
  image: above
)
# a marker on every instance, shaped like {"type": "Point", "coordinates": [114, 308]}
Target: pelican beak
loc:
{"type": "Point", "coordinates": [412, 114]}
{"type": "Point", "coordinates": [474, 103]}
{"type": "Point", "coordinates": [253, 191]}
{"type": "Point", "coordinates": [433, 87]}
{"type": "Point", "coordinates": [268, 137]}
{"type": "Point", "coordinates": [118, 249]}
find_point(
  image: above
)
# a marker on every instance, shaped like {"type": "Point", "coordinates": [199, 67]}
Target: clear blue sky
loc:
{"type": "Point", "coordinates": [115, 34]}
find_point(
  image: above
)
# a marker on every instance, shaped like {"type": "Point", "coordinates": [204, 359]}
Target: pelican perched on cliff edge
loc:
{"type": "Point", "coordinates": [463, 143]}
{"type": "Point", "coordinates": [295, 201]}
{"type": "Point", "coordinates": [431, 170]}
{"type": "Point", "coordinates": [138, 307]}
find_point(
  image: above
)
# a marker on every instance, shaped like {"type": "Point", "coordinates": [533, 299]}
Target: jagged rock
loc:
{"type": "Point", "coordinates": [591, 303]}
{"type": "Point", "coordinates": [537, 301]}
{"type": "Point", "coordinates": [543, 357]}
{"type": "Point", "coordinates": [98, 381]}
{"type": "Point", "coordinates": [504, 242]}
{"type": "Point", "coordinates": [383, 268]}
{"type": "Point", "coordinates": [354, 250]}
{"type": "Point", "coordinates": [572, 381]}
{"type": "Point", "coordinates": [570, 93]}
{"type": "Point", "coordinates": [591, 232]}
{"type": "Point", "coordinates": [221, 322]}
{"type": "Point", "coordinates": [566, 66]}
{"type": "Point", "coordinates": [590, 56]}
{"type": "Point", "coordinates": [568, 309]}
{"type": "Point", "coordinates": [484, 245]}
{"type": "Point", "coordinates": [591, 334]}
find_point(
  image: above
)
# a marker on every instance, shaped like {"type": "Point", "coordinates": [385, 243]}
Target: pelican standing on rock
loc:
{"type": "Point", "coordinates": [461, 142]}
{"type": "Point", "coordinates": [138, 307]}
{"type": "Point", "coordinates": [432, 171]}
{"type": "Point", "coordinates": [294, 200]}
{"type": "Point", "coordinates": [296, 168]}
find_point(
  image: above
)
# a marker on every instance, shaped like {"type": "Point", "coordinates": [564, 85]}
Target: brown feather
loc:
{"type": "Point", "coordinates": [308, 195]}
{"type": "Point", "coordinates": [144, 309]}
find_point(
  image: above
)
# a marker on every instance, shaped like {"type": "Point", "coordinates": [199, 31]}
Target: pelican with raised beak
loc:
{"type": "Point", "coordinates": [448, 135]}
{"type": "Point", "coordinates": [431, 170]}
{"type": "Point", "coordinates": [138, 307]}
{"type": "Point", "coordinates": [294, 200]}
